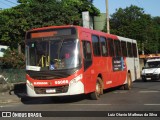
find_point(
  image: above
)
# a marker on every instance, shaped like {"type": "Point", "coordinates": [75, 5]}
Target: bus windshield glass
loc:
{"type": "Point", "coordinates": [52, 54]}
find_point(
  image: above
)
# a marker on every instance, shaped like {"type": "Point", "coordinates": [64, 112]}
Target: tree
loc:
{"type": "Point", "coordinates": [31, 14]}
{"type": "Point", "coordinates": [156, 21]}
{"type": "Point", "coordinates": [12, 27]}
{"type": "Point", "coordinates": [133, 23]}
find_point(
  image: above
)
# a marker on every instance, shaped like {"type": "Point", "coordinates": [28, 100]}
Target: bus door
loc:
{"type": "Point", "coordinates": [87, 62]}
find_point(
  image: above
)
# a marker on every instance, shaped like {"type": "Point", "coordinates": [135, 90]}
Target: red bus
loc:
{"type": "Point", "coordinates": [70, 60]}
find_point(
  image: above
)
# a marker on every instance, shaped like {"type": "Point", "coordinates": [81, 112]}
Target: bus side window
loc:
{"type": "Point", "coordinates": [124, 48]}
{"type": "Point", "coordinates": [104, 46]}
{"type": "Point", "coordinates": [96, 45]}
{"type": "Point", "coordinates": [134, 50]}
{"type": "Point", "coordinates": [111, 47]}
{"type": "Point", "coordinates": [87, 54]}
{"type": "Point", "coordinates": [129, 49]}
{"type": "Point", "coordinates": [117, 48]}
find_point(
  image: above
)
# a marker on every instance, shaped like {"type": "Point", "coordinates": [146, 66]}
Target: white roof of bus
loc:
{"type": "Point", "coordinates": [126, 39]}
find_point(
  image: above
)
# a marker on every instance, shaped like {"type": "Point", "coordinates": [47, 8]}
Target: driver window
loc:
{"type": "Point", "coordinates": [87, 54]}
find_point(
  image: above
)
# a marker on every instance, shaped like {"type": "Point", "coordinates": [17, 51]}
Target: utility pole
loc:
{"type": "Point", "coordinates": [107, 16]}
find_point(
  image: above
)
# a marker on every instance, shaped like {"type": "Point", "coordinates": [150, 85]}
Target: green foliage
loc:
{"type": "Point", "coordinates": [30, 14]}
{"type": "Point", "coordinates": [12, 27]}
{"type": "Point", "coordinates": [12, 59]}
{"type": "Point", "coordinates": [133, 23]}
{"type": "Point", "coordinates": [13, 75]}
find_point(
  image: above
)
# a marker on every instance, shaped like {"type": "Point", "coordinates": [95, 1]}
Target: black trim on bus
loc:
{"type": "Point", "coordinates": [73, 32]}
{"type": "Point", "coordinates": [52, 74]}
{"type": "Point", "coordinates": [51, 38]}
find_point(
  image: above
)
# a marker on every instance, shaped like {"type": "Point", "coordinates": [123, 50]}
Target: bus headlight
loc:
{"type": "Point", "coordinates": [30, 84]}
{"type": "Point", "coordinates": [76, 79]}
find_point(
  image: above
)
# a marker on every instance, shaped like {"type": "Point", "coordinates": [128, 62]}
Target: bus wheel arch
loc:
{"type": "Point", "coordinates": [98, 89]}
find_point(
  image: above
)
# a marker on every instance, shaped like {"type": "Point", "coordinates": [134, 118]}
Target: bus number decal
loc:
{"type": "Point", "coordinates": [61, 82]}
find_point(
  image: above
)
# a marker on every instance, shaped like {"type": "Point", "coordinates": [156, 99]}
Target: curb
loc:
{"type": "Point", "coordinates": [7, 98]}
{"type": "Point", "coordinates": [6, 87]}
{"type": "Point", "coordinates": [12, 93]}
{"type": "Point", "coordinates": [9, 101]}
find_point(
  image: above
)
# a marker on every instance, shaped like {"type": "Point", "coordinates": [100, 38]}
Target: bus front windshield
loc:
{"type": "Point", "coordinates": [52, 54]}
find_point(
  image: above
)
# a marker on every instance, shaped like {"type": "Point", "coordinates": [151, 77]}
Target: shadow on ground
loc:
{"type": "Point", "coordinates": [20, 91]}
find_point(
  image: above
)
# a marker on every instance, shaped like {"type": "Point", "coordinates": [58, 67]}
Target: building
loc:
{"type": "Point", "coordinates": [100, 21]}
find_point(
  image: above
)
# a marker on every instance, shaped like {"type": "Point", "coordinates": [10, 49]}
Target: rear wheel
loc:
{"type": "Point", "coordinates": [98, 91]}
{"type": "Point", "coordinates": [144, 80]}
{"type": "Point", "coordinates": [128, 85]}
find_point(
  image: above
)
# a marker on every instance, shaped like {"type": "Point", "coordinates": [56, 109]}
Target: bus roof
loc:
{"type": "Point", "coordinates": [82, 28]}
{"type": "Point", "coordinates": [79, 27]}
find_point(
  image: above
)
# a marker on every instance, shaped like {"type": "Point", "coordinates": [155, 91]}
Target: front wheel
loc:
{"type": "Point", "coordinates": [98, 91]}
{"type": "Point", "coordinates": [144, 80]}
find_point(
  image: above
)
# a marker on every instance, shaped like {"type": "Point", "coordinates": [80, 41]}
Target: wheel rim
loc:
{"type": "Point", "coordinates": [129, 81]}
{"type": "Point", "coordinates": [98, 89]}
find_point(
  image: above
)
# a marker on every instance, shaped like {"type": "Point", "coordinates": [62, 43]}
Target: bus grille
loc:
{"type": "Point", "coordinates": [59, 89]}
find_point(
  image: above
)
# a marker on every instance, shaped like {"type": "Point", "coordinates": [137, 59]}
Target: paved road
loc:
{"type": "Point", "coordinates": [144, 96]}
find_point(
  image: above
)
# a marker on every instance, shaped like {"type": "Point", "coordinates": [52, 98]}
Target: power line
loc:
{"type": "Point", "coordinates": [11, 2]}
{"type": "Point", "coordinates": [5, 4]}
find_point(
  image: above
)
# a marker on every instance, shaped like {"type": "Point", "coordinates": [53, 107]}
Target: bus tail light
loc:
{"type": "Point", "coordinates": [76, 79]}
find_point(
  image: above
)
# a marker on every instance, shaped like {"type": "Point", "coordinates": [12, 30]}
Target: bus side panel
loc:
{"type": "Point", "coordinates": [137, 68]}
{"type": "Point", "coordinates": [133, 67]}
{"type": "Point", "coordinates": [106, 72]}
{"type": "Point", "coordinates": [119, 76]}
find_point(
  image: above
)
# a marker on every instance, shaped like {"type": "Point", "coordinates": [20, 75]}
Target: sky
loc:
{"type": "Point", "coordinates": [151, 7]}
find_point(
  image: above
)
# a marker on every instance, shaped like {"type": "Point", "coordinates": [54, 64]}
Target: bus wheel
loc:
{"type": "Point", "coordinates": [144, 80]}
{"type": "Point", "coordinates": [128, 85]}
{"type": "Point", "coordinates": [98, 91]}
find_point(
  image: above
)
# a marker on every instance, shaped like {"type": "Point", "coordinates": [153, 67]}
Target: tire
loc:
{"type": "Point", "coordinates": [98, 91]}
{"type": "Point", "coordinates": [144, 80]}
{"type": "Point", "coordinates": [55, 99]}
{"type": "Point", "coordinates": [128, 85]}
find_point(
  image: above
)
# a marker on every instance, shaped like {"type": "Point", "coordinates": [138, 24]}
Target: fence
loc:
{"type": "Point", "coordinates": [13, 75]}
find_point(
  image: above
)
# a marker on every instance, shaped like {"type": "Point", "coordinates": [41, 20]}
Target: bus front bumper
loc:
{"type": "Point", "coordinates": [73, 89]}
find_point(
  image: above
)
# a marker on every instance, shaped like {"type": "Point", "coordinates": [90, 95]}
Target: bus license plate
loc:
{"type": "Point", "coordinates": [50, 90]}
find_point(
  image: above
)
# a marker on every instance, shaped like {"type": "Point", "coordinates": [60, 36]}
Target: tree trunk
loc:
{"type": "Point", "coordinates": [19, 49]}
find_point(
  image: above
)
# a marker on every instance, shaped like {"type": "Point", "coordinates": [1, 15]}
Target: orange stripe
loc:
{"type": "Point", "coordinates": [43, 34]}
